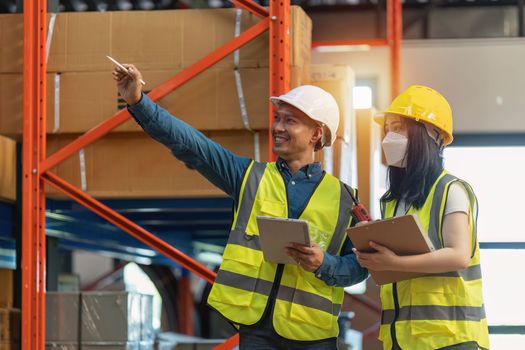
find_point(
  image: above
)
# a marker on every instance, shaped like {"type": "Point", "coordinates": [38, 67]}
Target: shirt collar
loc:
{"type": "Point", "coordinates": [309, 169]}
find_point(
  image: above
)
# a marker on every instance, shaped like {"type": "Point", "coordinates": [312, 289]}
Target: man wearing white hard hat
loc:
{"type": "Point", "coordinates": [275, 306]}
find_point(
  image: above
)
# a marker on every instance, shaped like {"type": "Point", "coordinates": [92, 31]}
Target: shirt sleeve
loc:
{"type": "Point", "coordinates": [341, 271]}
{"type": "Point", "coordinates": [457, 200]}
{"type": "Point", "coordinates": [220, 166]}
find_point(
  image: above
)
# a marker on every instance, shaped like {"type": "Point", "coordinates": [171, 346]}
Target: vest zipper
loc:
{"type": "Point", "coordinates": [272, 298]}
{"type": "Point", "coordinates": [395, 344]}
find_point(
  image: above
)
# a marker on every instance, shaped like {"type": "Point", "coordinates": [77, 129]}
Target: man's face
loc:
{"type": "Point", "coordinates": [293, 132]}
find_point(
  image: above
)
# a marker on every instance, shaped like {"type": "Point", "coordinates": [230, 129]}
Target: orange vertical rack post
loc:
{"type": "Point", "coordinates": [33, 196]}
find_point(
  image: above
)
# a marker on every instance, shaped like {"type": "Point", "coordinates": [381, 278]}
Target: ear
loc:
{"type": "Point", "coordinates": [317, 137]}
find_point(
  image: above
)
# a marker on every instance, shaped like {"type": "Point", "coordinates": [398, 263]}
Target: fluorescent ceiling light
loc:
{"type": "Point", "coordinates": [342, 48]}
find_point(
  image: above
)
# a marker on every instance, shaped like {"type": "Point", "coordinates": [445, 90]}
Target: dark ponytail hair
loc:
{"type": "Point", "coordinates": [424, 165]}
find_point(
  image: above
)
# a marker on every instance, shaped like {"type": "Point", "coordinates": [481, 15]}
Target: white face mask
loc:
{"type": "Point", "coordinates": [395, 148]}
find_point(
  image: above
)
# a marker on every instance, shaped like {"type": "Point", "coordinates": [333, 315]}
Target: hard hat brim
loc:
{"type": "Point", "coordinates": [379, 118]}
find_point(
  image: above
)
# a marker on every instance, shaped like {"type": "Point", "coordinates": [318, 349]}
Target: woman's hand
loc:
{"type": "Point", "coordinates": [383, 259]}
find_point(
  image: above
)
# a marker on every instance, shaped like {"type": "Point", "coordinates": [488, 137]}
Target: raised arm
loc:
{"type": "Point", "coordinates": [220, 166]}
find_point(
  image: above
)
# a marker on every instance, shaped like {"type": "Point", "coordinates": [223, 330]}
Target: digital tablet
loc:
{"type": "Point", "coordinates": [275, 234]}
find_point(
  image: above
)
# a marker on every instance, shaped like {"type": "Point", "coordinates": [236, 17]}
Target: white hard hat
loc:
{"type": "Point", "coordinates": [315, 103]}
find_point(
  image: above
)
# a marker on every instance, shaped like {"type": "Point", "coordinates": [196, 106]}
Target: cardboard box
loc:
{"type": "Point", "coordinates": [367, 145]}
{"type": "Point", "coordinates": [62, 317]}
{"type": "Point", "coordinates": [76, 102]}
{"type": "Point", "coordinates": [110, 317]}
{"type": "Point", "coordinates": [9, 325]}
{"type": "Point", "coordinates": [149, 39]}
{"type": "Point", "coordinates": [9, 345]}
{"type": "Point", "coordinates": [329, 157]}
{"type": "Point", "coordinates": [338, 80]}
{"type": "Point", "coordinates": [7, 193]}
{"type": "Point", "coordinates": [339, 160]}
{"type": "Point", "coordinates": [134, 166]}
{"type": "Point", "coordinates": [6, 292]}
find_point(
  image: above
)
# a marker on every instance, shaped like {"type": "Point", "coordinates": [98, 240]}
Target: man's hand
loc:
{"type": "Point", "coordinates": [309, 258]}
{"type": "Point", "coordinates": [128, 84]}
{"type": "Point", "coordinates": [382, 260]}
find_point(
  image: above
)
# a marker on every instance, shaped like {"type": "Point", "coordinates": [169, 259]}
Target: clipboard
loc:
{"type": "Point", "coordinates": [277, 233]}
{"type": "Point", "coordinates": [404, 235]}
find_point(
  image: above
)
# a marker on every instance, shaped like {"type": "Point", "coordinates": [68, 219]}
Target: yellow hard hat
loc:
{"type": "Point", "coordinates": [424, 104]}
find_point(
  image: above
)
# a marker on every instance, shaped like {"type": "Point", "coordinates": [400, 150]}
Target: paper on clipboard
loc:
{"type": "Point", "coordinates": [404, 235]}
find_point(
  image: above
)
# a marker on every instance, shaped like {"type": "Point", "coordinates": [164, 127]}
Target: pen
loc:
{"type": "Point", "coordinates": [122, 67]}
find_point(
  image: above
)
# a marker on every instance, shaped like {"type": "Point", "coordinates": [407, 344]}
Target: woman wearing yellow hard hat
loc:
{"type": "Point", "coordinates": [444, 310]}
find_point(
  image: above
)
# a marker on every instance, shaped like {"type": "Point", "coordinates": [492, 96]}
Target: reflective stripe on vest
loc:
{"type": "Point", "coordinates": [245, 280]}
{"type": "Point", "coordinates": [435, 312]}
{"type": "Point", "coordinates": [438, 310]}
{"type": "Point", "coordinates": [285, 293]}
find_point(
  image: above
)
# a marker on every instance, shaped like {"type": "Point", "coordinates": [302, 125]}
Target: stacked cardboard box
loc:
{"type": "Point", "coordinates": [136, 166]}
{"type": "Point", "coordinates": [9, 328]}
{"type": "Point", "coordinates": [340, 159]}
{"type": "Point", "coordinates": [83, 100]}
{"type": "Point", "coordinates": [6, 292]}
{"type": "Point", "coordinates": [8, 171]}
{"type": "Point", "coordinates": [9, 316]}
{"type": "Point", "coordinates": [81, 92]}
{"type": "Point", "coordinates": [153, 40]}
{"type": "Point", "coordinates": [368, 149]}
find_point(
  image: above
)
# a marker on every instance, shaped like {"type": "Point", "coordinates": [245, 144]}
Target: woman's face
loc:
{"type": "Point", "coordinates": [395, 123]}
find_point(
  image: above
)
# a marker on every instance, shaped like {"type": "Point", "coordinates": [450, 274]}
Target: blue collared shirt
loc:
{"type": "Point", "coordinates": [226, 170]}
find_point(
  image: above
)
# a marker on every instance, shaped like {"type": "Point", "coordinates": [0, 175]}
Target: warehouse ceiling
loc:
{"type": "Point", "coordinates": [7, 6]}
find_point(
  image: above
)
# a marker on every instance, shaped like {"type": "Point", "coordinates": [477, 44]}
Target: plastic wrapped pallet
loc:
{"type": "Point", "coordinates": [62, 346]}
{"type": "Point", "coordinates": [62, 317]}
{"type": "Point", "coordinates": [147, 345]}
{"type": "Point", "coordinates": [110, 317]}
{"type": "Point", "coordinates": [146, 330]}
{"type": "Point", "coordinates": [175, 341]}
{"type": "Point", "coordinates": [111, 346]}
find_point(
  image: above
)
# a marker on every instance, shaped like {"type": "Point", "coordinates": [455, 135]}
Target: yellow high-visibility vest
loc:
{"type": "Point", "coordinates": [306, 308]}
{"type": "Point", "coordinates": [441, 310]}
